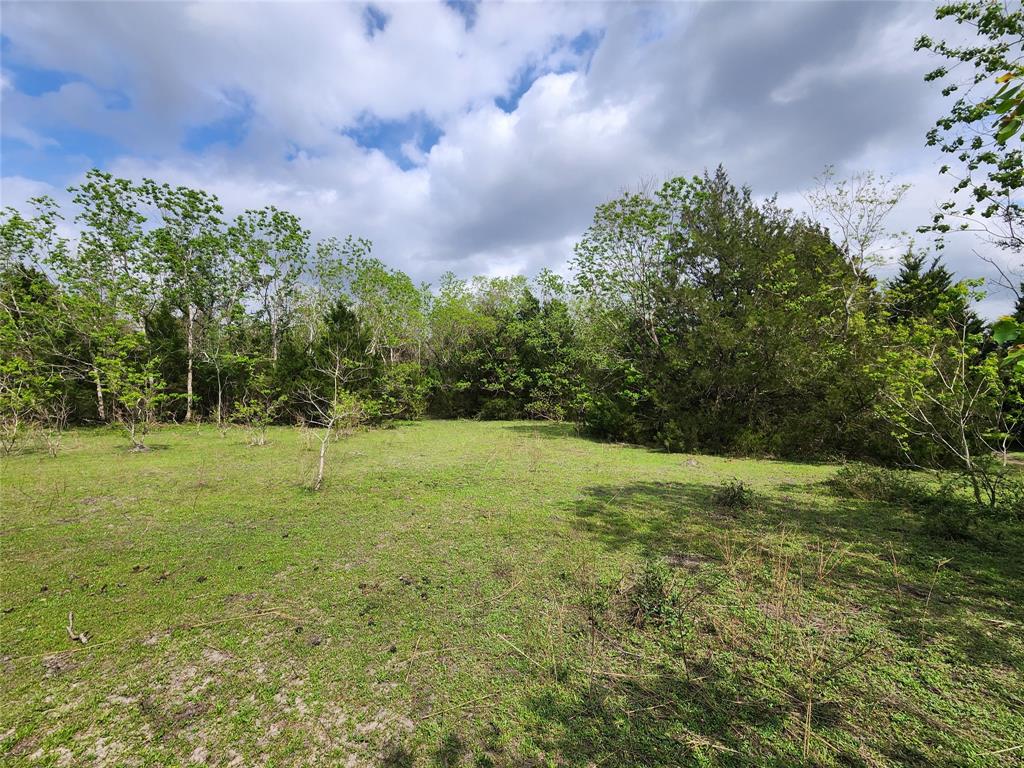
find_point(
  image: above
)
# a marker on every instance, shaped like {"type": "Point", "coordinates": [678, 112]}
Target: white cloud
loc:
{"type": "Point", "coordinates": [774, 91]}
{"type": "Point", "coordinates": [17, 189]}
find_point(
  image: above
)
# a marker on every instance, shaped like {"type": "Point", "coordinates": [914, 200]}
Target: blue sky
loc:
{"type": "Point", "coordinates": [476, 137]}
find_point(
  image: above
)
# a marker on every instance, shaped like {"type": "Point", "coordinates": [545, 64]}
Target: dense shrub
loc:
{"type": "Point", "coordinates": [500, 409]}
{"type": "Point", "coordinates": [733, 494]}
{"type": "Point", "coordinates": [402, 391]}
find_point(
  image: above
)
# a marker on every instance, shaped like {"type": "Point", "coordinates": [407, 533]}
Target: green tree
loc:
{"type": "Point", "coordinates": [711, 321]}
{"type": "Point", "coordinates": [390, 306]}
{"type": "Point", "coordinates": [134, 384]}
{"type": "Point", "coordinates": [108, 283]}
{"type": "Point", "coordinates": [258, 409]}
{"type": "Point", "coordinates": [334, 409]}
{"type": "Point", "coordinates": [856, 211]}
{"type": "Point", "coordinates": [945, 401]}
{"type": "Point", "coordinates": [272, 247]}
{"type": "Point", "coordinates": [189, 251]}
{"type": "Point", "coordinates": [34, 342]}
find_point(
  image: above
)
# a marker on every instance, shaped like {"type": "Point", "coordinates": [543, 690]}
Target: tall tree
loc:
{"type": "Point", "coordinates": [390, 305]}
{"type": "Point", "coordinates": [109, 280]}
{"type": "Point", "coordinates": [189, 250]}
{"type": "Point", "coordinates": [33, 341]}
{"type": "Point", "coordinates": [856, 211]}
{"type": "Point", "coordinates": [921, 291]}
{"type": "Point", "coordinates": [273, 247]}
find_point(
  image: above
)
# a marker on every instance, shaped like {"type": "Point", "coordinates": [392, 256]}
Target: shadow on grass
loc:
{"type": "Point", "coordinates": [148, 448]}
{"type": "Point", "coordinates": [669, 721]}
{"type": "Point", "coordinates": [624, 723]}
{"type": "Point", "coordinates": [549, 430]}
{"type": "Point", "coordinates": [711, 716]}
{"type": "Point", "coordinates": [564, 430]}
{"type": "Point", "coordinates": [672, 518]}
{"type": "Point", "coordinates": [558, 430]}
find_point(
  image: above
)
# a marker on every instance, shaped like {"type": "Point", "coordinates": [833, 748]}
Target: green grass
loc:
{"type": "Point", "coordinates": [466, 593]}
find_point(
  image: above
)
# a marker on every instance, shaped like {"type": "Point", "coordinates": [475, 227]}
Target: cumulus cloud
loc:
{"type": "Point", "coordinates": [476, 138]}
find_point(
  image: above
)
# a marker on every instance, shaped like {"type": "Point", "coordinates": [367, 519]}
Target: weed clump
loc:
{"type": "Point", "coordinates": [653, 599]}
{"type": "Point", "coordinates": [734, 494]}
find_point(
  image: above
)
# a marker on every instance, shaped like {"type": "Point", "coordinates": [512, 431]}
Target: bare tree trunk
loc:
{"type": "Point", "coordinates": [323, 453]}
{"type": "Point", "coordinates": [220, 399]}
{"type": "Point", "coordinates": [969, 464]}
{"type": "Point", "coordinates": [131, 425]}
{"type": "Point", "coordinates": [273, 339]}
{"type": "Point", "coordinates": [190, 347]}
{"type": "Point", "coordinates": [100, 407]}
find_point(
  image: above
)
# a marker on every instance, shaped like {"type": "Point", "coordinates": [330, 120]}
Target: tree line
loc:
{"type": "Point", "coordinates": [696, 318]}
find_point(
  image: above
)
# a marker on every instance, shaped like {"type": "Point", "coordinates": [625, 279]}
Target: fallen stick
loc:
{"type": "Point", "coordinates": [261, 612]}
{"type": "Point", "coordinates": [61, 653]}
{"type": "Point", "coordinates": [408, 661]}
{"type": "Point", "coordinates": [76, 637]}
{"type": "Point", "coordinates": [1004, 750]}
{"type": "Point", "coordinates": [458, 707]}
{"type": "Point", "coordinates": [499, 597]}
{"type": "Point", "coordinates": [626, 676]}
{"type": "Point", "coordinates": [519, 650]}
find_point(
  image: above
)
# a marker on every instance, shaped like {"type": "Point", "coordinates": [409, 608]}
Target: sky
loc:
{"type": "Point", "coordinates": [472, 137]}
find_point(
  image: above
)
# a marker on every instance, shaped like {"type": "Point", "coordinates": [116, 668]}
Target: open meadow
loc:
{"type": "Point", "coordinates": [489, 593]}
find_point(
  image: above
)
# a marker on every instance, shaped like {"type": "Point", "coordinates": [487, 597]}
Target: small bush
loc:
{"type": "Point", "coordinates": [734, 494]}
{"type": "Point", "coordinates": [1009, 489]}
{"type": "Point", "coordinates": [953, 513]}
{"type": "Point", "coordinates": [950, 519]}
{"type": "Point", "coordinates": [604, 418]}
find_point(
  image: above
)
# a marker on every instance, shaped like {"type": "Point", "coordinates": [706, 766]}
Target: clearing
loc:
{"type": "Point", "coordinates": [488, 593]}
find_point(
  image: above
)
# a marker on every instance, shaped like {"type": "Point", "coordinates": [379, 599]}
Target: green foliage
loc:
{"type": "Point", "coordinates": [719, 323]}
{"type": "Point", "coordinates": [134, 384]}
{"type": "Point", "coordinates": [928, 293]}
{"type": "Point", "coordinates": [402, 391]}
{"type": "Point", "coordinates": [270, 247]}
{"type": "Point", "coordinates": [21, 391]}
{"type": "Point", "coordinates": [698, 318]}
{"type": "Point", "coordinates": [257, 410]}
{"type": "Point", "coordinates": [943, 400]}
{"type": "Point", "coordinates": [1007, 330]}
{"type": "Point", "coordinates": [983, 76]}
{"type": "Point", "coordinates": [945, 503]}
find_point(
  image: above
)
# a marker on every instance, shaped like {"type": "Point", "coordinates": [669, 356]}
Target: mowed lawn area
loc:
{"type": "Point", "coordinates": [492, 594]}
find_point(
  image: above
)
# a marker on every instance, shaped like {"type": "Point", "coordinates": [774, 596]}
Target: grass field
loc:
{"type": "Point", "coordinates": [503, 594]}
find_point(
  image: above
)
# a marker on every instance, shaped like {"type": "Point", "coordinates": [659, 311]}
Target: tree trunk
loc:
{"type": "Point", "coordinates": [190, 348]}
{"type": "Point", "coordinates": [220, 400]}
{"type": "Point", "coordinates": [273, 339]}
{"type": "Point", "coordinates": [101, 410]}
{"type": "Point", "coordinates": [132, 427]}
{"type": "Point", "coordinates": [320, 468]}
